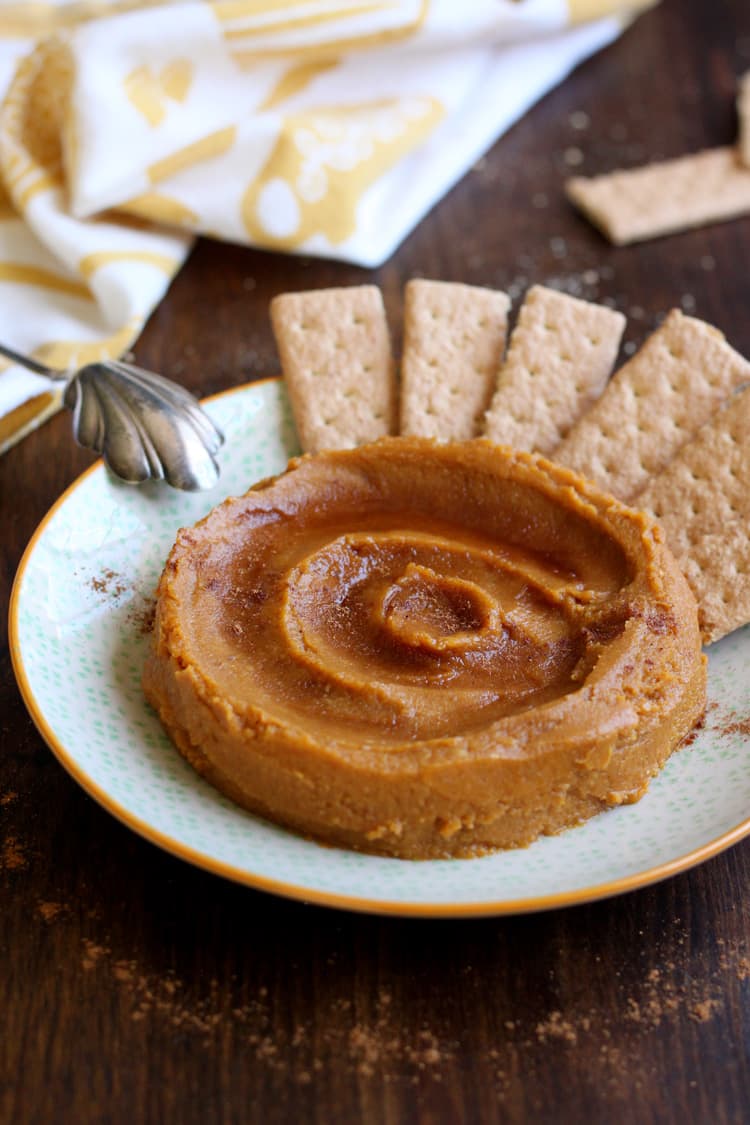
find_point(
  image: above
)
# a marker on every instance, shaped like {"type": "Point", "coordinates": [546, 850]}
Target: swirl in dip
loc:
{"type": "Point", "coordinates": [425, 650]}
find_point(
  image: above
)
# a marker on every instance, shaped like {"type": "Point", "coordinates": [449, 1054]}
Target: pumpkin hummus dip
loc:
{"type": "Point", "coordinates": [425, 650]}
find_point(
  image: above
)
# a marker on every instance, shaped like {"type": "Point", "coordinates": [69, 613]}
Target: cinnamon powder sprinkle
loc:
{"type": "Point", "coordinates": [724, 723]}
{"type": "Point", "coordinates": [142, 616]}
{"type": "Point", "coordinates": [109, 583]}
{"type": "Point", "coordinates": [736, 725]}
{"type": "Point", "coordinates": [691, 736]}
{"type": "Point", "coordinates": [113, 585]}
{"type": "Point", "coordinates": [729, 722]}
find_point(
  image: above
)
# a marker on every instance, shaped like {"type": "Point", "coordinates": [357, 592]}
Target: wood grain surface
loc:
{"type": "Point", "coordinates": [135, 988]}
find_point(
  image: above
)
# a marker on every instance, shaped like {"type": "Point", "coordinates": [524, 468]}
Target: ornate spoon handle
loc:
{"type": "Point", "coordinates": [145, 426]}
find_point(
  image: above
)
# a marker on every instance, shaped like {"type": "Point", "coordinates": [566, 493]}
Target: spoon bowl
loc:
{"type": "Point", "coordinates": [145, 426]}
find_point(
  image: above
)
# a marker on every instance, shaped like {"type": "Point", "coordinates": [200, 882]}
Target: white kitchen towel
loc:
{"type": "Point", "coordinates": [322, 127]}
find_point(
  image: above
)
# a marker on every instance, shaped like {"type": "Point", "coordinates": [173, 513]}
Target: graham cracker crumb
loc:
{"type": "Point", "coordinates": [50, 910]}
{"type": "Point", "coordinates": [13, 856]}
{"type": "Point", "coordinates": [555, 1027]}
{"type": "Point", "coordinates": [703, 1011]}
{"type": "Point", "coordinates": [92, 954]}
{"type": "Point", "coordinates": [573, 156]}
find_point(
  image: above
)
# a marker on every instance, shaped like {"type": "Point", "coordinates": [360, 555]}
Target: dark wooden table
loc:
{"type": "Point", "coordinates": [138, 989]}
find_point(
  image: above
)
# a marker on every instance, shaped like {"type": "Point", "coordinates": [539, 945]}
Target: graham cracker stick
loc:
{"type": "Point", "coordinates": [702, 500]}
{"type": "Point", "coordinates": [653, 405]}
{"type": "Point", "coordinates": [718, 572]}
{"type": "Point", "coordinates": [743, 113]}
{"type": "Point", "coordinates": [336, 358]}
{"type": "Point", "coordinates": [642, 203]}
{"type": "Point", "coordinates": [560, 356]}
{"type": "Point", "coordinates": [707, 484]}
{"type": "Point", "coordinates": [454, 338]}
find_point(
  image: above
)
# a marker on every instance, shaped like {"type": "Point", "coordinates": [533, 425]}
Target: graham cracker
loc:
{"type": "Point", "coordinates": [454, 338]}
{"type": "Point", "coordinates": [702, 500]}
{"type": "Point", "coordinates": [718, 571]}
{"type": "Point", "coordinates": [707, 484]}
{"type": "Point", "coordinates": [336, 358]}
{"type": "Point", "coordinates": [560, 355]}
{"type": "Point", "coordinates": [743, 114]}
{"type": "Point", "coordinates": [653, 405]}
{"type": "Point", "coordinates": [641, 203]}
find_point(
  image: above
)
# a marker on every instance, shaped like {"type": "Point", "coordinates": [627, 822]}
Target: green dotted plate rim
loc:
{"type": "Point", "coordinates": [728, 660]}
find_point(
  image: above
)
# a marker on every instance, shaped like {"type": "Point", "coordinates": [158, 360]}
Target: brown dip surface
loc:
{"type": "Point", "coordinates": [425, 650]}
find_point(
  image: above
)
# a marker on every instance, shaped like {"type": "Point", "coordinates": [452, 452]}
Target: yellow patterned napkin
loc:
{"type": "Point", "coordinates": [327, 127]}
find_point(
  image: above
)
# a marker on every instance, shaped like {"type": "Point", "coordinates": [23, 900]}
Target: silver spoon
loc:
{"type": "Point", "coordinates": [145, 426]}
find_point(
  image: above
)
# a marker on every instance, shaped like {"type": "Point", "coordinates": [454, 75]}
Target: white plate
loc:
{"type": "Point", "coordinates": [78, 610]}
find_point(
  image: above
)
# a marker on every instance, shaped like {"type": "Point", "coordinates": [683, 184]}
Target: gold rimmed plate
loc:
{"type": "Point", "coordinates": [78, 626]}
